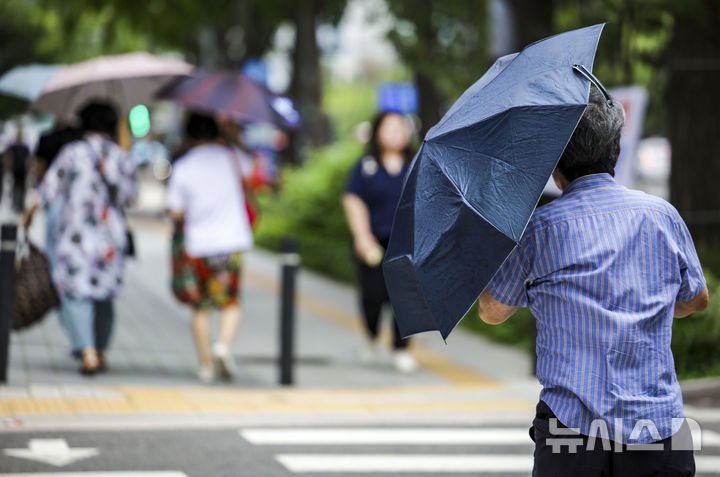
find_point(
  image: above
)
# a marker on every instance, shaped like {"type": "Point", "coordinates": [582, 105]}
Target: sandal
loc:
{"type": "Point", "coordinates": [102, 362]}
{"type": "Point", "coordinates": [90, 362]}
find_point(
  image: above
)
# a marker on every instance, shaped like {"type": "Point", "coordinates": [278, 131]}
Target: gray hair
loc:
{"type": "Point", "coordinates": [595, 145]}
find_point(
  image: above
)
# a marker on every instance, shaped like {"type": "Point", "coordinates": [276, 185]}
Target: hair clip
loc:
{"type": "Point", "coordinates": [591, 77]}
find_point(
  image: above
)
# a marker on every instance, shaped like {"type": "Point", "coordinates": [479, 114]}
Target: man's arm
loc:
{"type": "Point", "coordinates": [699, 303]}
{"type": "Point", "coordinates": [492, 311]}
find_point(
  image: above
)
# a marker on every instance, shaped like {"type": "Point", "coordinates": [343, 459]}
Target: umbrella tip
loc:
{"type": "Point", "coordinates": [582, 70]}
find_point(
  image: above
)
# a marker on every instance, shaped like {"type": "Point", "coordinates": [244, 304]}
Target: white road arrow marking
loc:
{"type": "Point", "coordinates": [52, 451]}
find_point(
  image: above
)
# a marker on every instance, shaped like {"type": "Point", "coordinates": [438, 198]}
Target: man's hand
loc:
{"type": "Point", "coordinates": [492, 311]}
{"type": "Point", "coordinates": [699, 303]}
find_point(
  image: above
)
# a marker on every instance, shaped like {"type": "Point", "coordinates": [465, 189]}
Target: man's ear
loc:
{"type": "Point", "coordinates": [560, 181]}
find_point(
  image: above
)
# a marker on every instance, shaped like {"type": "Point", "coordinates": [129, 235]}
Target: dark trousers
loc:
{"type": "Point", "coordinates": [600, 462]}
{"type": "Point", "coordinates": [373, 295]}
{"type": "Point", "coordinates": [103, 324]}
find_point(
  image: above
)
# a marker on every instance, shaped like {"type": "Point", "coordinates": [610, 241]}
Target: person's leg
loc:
{"type": "Point", "coordinates": [201, 333]}
{"type": "Point", "coordinates": [80, 315]}
{"type": "Point", "coordinates": [223, 286]}
{"type": "Point", "coordinates": [104, 321]}
{"type": "Point", "coordinates": [403, 361]}
{"type": "Point", "coordinates": [399, 343]}
{"type": "Point", "coordinates": [372, 296]}
{"type": "Point", "coordinates": [65, 316]}
{"type": "Point", "coordinates": [222, 350]}
{"type": "Point", "coordinates": [371, 302]}
{"type": "Point", "coordinates": [230, 317]}
{"type": "Point", "coordinates": [560, 454]}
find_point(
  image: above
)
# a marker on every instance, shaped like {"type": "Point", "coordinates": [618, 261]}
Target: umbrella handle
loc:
{"type": "Point", "coordinates": [582, 69]}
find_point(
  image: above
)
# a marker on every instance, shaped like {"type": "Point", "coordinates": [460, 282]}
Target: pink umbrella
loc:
{"type": "Point", "coordinates": [125, 80]}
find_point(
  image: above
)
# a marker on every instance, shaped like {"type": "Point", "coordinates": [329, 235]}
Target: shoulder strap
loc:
{"type": "Point", "coordinates": [112, 189]}
{"type": "Point", "coordinates": [235, 161]}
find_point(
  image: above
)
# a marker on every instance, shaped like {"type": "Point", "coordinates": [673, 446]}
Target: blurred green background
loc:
{"type": "Point", "coordinates": [670, 48]}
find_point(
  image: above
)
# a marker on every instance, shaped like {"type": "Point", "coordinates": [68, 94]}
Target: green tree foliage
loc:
{"type": "Point", "coordinates": [692, 97]}
{"type": "Point", "coordinates": [308, 204]}
{"type": "Point", "coordinates": [308, 208]}
{"type": "Point", "coordinates": [444, 44]}
{"type": "Point", "coordinates": [696, 337]}
{"type": "Point", "coordinates": [632, 46]}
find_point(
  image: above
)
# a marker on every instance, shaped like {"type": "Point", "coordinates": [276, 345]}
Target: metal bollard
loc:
{"type": "Point", "coordinates": [8, 244]}
{"type": "Point", "coordinates": [290, 262]}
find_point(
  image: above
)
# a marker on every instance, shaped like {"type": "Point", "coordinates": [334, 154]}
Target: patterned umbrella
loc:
{"type": "Point", "coordinates": [235, 95]}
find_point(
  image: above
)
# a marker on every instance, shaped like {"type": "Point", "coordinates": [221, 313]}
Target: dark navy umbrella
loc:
{"type": "Point", "coordinates": [478, 176]}
{"type": "Point", "coordinates": [233, 94]}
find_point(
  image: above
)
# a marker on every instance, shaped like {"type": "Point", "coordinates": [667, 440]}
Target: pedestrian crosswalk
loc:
{"type": "Point", "coordinates": [340, 450]}
{"type": "Point", "coordinates": [418, 450]}
{"type": "Point", "coordinates": [355, 436]}
{"type": "Point", "coordinates": [412, 464]}
{"type": "Point", "coordinates": [100, 474]}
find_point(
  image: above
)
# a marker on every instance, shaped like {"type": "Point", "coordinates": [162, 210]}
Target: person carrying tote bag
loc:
{"type": "Point", "coordinates": [35, 294]}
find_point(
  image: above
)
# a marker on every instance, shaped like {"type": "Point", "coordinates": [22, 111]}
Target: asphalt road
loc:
{"type": "Point", "coordinates": [278, 451]}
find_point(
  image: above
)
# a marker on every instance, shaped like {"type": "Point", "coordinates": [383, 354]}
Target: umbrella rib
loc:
{"type": "Point", "coordinates": [434, 139]}
{"type": "Point", "coordinates": [539, 73]}
{"type": "Point", "coordinates": [443, 121]}
{"type": "Point", "coordinates": [462, 196]}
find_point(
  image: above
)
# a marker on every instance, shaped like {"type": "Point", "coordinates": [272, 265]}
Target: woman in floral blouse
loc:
{"type": "Point", "coordinates": [94, 180]}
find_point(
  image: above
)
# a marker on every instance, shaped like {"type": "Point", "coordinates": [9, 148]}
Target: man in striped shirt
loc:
{"type": "Point", "coordinates": [604, 270]}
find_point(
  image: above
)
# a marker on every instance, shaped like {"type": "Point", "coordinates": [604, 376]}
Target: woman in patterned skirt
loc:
{"type": "Point", "coordinates": [206, 199]}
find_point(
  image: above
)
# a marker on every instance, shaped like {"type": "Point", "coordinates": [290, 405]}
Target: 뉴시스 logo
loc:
{"type": "Point", "coordinates": [688, 436]}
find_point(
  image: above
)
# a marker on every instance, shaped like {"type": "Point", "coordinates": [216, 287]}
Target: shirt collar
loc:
{"type": "Point", "coordinates": [591, 181]}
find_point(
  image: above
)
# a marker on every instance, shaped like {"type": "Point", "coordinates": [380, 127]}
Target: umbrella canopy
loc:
{"type": "Point", "coordinates": [125, 80]}
{"type": "Point", "coordinates": [478, 176]}
{"type": "Point", "coordinates": [27, 82]}
{"type": "Point", "coordinates": [232, 94]}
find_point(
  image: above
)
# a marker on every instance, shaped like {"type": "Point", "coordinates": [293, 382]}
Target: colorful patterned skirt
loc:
{"type": "Point", "coordinates": [205, 282]}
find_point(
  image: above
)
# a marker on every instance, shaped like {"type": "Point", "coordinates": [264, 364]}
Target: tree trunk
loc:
{"type": "Point", "coordinates": [306, 87]}
{"type": "Point", "coordinates": [533, 20]}
{"type": "Point", "coordinates": [693, 98]}
{"type": "Point", "coordinates": [256, 34]}
{"type": "Point", "coordinates": [431, 102]}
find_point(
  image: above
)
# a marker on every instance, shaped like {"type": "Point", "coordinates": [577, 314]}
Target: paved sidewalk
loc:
{"type": "Point", "coordinates": [153, 361]}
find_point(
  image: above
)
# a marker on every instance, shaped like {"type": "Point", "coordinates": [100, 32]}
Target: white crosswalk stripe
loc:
{"type": "Point", "coordinates": [512, 452]}
{"type": "Point", "coordinates": [365, 463]}
{"type": "Point", "coordinates": [368, 463]}
{"type": "Point", "coordinates": [141, 473]}
{"type": "Point", "coordinates": [384, 436]}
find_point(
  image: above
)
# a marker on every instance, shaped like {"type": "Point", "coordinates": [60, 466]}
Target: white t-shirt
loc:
{"type": "Point", "coordinates": [204, 185]}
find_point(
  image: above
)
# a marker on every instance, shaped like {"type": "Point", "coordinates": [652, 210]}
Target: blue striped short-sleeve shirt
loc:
{"type": "Point", "coordinates": [601, 268]}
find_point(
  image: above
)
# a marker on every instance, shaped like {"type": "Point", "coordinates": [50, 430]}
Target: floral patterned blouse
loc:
{"type": "Point", "coordinates": [89, 235]}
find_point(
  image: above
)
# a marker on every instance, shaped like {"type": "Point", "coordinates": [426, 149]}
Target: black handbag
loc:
{"type": "Point", "coordinates": [35, 293]}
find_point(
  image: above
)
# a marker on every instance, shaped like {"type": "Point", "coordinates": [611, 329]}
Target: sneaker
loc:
{"type": "Point", "coordinates": [404, 362]}
{"type": "Point", "coordinates": [370, 354]}
{"type": "Point", "coordinates": [206, 374]}
{"type": "Point", "coordinates": [224, 360]}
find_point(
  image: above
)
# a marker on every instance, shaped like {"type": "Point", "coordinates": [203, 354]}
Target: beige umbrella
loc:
{"type": "Point", "coordinates": [125, 80]}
